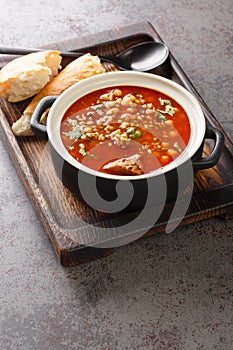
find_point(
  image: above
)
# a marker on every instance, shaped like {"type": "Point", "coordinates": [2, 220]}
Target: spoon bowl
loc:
{"type": "Point", "coordinates": [141, 57]}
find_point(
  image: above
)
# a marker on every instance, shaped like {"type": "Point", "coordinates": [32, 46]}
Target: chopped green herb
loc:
{"type": "Point", "coordinates": [136, 135]}
{"type": "Point", "coordinates": [98, 109]}
{"type": "Point", "coordinates": [74, 134]}
{"type": "Point", "coordinates": [133, 133]}
{"type": "Point", "coordinates": [72, 122]}
{"type": "Point", "coordinates": [170, 110]}
{"type": "Point", "coordinates": [164, 102]}
{"type": "Point", "coordinates": [177, 147]}
{"type": "Point", "coordinates": [161, 116]}
{"type": "Point", "coordinates": [99, 112]}
{"type": "Point", "coordinates": [130, 130]}
{"type": "Point", "coordinates": [82, 149]}
{"type": "Point", "coordinates": [168, 107]}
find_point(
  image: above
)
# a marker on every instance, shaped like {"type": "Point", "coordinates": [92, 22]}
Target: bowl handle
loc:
{"type": "Point", "coordinates": [209, 161]}
{"type": "Point", "coordinates": [40, 129]}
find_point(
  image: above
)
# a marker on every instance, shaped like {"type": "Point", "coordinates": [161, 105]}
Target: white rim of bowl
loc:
{"type": "Point", "coordinates": [111, 79]}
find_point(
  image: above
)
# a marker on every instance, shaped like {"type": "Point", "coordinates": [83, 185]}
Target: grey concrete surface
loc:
{"type": "Point", "coordinates": [164, 292]}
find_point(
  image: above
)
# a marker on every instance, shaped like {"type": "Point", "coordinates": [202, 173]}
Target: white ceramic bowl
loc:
{"type": "Point", "coordinates": [170, 88]}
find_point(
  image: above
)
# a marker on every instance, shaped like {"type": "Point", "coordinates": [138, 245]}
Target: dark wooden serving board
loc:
{"type": "Point", "coordinates": [63, 216]}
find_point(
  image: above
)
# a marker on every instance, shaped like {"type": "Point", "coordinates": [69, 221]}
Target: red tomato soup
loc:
{"type": "Point", "coordinates": [125, 130]}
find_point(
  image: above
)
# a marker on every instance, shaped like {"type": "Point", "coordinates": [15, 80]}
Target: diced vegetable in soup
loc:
{"type": "Point", "coordinates": [125, 130]}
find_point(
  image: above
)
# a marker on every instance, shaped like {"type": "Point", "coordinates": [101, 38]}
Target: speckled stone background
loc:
{"type": "Point", "coordinates": [164, 292]}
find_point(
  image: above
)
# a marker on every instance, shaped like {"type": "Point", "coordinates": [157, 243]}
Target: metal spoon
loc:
{"type": "Point", "coordinates": [142, 57]}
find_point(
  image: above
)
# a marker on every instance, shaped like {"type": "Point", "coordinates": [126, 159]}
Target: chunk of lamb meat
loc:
{"type": "Point", "coordinates": [125, 166]}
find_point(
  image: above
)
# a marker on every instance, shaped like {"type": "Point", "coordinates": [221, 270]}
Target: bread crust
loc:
{"type": "Point", "coordinates": [81, 68]}
{"type": "Point", "coordinates": [25, 76]}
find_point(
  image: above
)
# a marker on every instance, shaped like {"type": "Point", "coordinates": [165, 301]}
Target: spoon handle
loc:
{"type": "Point", "coordinates": [24, 51]}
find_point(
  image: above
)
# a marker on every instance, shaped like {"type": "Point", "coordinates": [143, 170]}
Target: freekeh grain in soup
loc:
{"type": "Point", "coordinates": [125, 130]}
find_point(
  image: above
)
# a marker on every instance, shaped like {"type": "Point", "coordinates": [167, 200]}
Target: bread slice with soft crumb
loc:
{"type": "Point", "coordinates": [25, 76]}
{"type": "Point", "coordinates": [81, 68]}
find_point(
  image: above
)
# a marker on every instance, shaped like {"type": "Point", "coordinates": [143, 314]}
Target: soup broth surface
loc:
{"type": "Point", "coordinates": [125, 130]}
